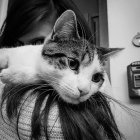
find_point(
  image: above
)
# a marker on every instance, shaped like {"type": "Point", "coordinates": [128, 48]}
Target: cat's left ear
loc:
{"type": "Point", "coordinates": [107, 52]}
{"type": "Point", "coordinates": [66, 26]}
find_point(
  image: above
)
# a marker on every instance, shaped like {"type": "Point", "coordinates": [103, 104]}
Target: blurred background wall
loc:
{"type": "Point", "coordinates": [123, 25]}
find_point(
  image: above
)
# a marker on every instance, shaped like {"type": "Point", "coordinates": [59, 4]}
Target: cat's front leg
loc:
{"type": "Point", "coordinates": [18, 75]}
{"type": "Point", "coordinates": [8, 75]}
{"type": "Point", "coordinates": [3, 62]}
{"type": "Point", "coordinates": [3, 65]}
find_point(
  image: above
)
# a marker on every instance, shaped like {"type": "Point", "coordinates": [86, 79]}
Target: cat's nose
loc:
{"type": "Point", "coordinates": [83, 86]}
{"type": "Point", "coordinates": [83, 92]}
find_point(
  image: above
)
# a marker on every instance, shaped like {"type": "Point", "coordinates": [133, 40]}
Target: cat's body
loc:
{"type": "Point", "coordinates": [26, 65]}
{"type": "Point", "coordinates": [70, 64]}
{"type": "Point", "coordinates": [73, 67]}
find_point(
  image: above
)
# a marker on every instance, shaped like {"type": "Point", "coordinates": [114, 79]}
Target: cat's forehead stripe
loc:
{"type": "Point", "coordinates": [94, 65]}
{"type": "Point", "coordinates": [96, 62]}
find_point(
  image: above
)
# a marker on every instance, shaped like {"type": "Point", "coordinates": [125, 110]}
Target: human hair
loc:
{"type": "Point", "coordinates": [22, 15]}
{"type": "Point", "coordinates": [91, 120]}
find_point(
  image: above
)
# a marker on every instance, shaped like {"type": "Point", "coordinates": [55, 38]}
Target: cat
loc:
{"type": "Point", "coordinates": [70, 64]}
{"type": "Point", "coordinates": [74, 68]}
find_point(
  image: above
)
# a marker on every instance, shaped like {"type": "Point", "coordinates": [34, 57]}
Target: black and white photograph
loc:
{"type": "Point", "coordinates": [69, 69]}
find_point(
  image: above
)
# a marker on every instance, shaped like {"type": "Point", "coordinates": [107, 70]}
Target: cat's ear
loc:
{"type": "Point", "coordinates": [66, 26]}
{"type": "Point", "coordinates": [107, 52]}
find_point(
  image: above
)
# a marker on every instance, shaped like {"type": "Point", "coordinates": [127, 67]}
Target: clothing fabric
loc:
{"type": "Point", "coordinates": [8, 130]}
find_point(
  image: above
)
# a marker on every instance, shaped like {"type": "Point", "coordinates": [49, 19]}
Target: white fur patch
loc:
{"type": "Point", "coordinates": [21, 64]}
{"type": "Point", "coordinates": [27, 65]}
{"type": "Point", "coordinates": [73, 83]}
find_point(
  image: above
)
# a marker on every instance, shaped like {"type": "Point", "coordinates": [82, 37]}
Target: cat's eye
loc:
{"type": "Point", "coordinates": [37, 41]}
{"type": "Point", "coordinates": [19, 43]}
{"type": "Point", "coordinates": [73, 64]}
{"type": "Point", "coordinates": [97, 77]}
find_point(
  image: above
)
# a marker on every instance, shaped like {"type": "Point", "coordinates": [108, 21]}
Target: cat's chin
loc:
{"type": "Point", "coordinates": [71, 100]}
{"type": "Point", "coordinates": [84, 98]}
{"type": "Point", "coordinates": [75, 101]}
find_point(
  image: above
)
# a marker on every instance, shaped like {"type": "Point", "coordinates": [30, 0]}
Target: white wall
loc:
{"type": "Point", "coordinates": [123, 25]}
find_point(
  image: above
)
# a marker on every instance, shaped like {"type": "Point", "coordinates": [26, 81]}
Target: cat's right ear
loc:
{"type": "Point", "coordinates": [65, 26]}
{"type": "Point", "coordinates": [107, 52]}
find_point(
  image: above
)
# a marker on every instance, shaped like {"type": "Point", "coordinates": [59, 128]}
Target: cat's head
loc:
{"type": "Point", "coordinates": [71, 64]}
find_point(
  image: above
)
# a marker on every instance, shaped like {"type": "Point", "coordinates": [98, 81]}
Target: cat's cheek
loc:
{"type": "Point", "coordinates": [69, 95]}
{"type": "Point", "coordinates": [106, 86]}
{"type": "Point", "coordinates": [93, 90]}
{"type": "Point", "coordinates": [86, 97]}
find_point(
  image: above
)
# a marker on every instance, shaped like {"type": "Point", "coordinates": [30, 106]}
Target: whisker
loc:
{"type": "Point", "coordinates": [24, 87]}
{"type": "Point", "coordinates": [54, 81]}
{"type": "Point", "coordinates": [14, 87]}
{"type": "Point", "coordinates": [64, 85]}
{"type": "Point", "coordinates": [54, 92]}
{"type": "Point", "coordinates": [128, 109]}
{"type": "Point", "coordinates": [83, 30]}
{"type": "Point", "coordinates": [68, 87]}
{"type": "Point", "coordinates": [93, 36]}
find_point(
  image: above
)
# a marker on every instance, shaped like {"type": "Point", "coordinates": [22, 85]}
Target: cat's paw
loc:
{"type": "Point", "coordinates": [3, 67]}
{"type": "Point", "coordinates": [11, 76]}
{"type": "Point", "coordinates": [18, 75]}
{"type": "Point", "coordinates": [3, 63]}
{"type": "Point", "coordinates": [5, 75]}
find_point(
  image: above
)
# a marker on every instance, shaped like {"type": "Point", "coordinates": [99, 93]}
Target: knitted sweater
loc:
{"type": "Point", "coordinates": [8, 129]}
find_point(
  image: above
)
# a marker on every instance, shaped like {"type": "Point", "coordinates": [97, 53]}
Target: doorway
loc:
{"type": "Point", "coordinates": [95, 12]}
